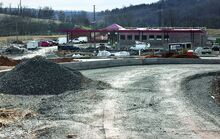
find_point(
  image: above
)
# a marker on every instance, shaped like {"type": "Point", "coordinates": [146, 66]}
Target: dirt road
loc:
{"type": "Point", "coordinates": [144, 102]}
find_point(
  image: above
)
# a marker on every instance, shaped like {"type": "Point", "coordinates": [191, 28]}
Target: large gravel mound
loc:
{"type": "Point", "coordinates": [39, 76]}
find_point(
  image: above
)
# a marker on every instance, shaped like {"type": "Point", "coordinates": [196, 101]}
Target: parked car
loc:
{"type": "Point", "coordinates": [54, 43]}
{"type": "Point", "coordinates": [83, 39]}
{"type": "Point", "coordinates": [203, 51]}
{"type": "Point", "coordinates": [62, 40]}
{"type": "Point", "coordinates": [216, 49]}
{"type": "Point", "coordinates": [140, 46]}
{"type": "Point", "coordinates": [91, 49]}
{"type": "Point", "coordinates": [68, 48]}
{"type": "Point", "coordinates": [80, 40]}
{"type": "Point", "coordinates": [75, 40]}
{"type": "Point", "coordinates": [103, 47]}
{"type": "Point", "coordinates": [15, 50]}
{"type": "Point", "coordinates": [32, 45]}
{"type": "Point", "coordinates": [206, 50]}
{"type": "Point", "coordinates": [44, 44]}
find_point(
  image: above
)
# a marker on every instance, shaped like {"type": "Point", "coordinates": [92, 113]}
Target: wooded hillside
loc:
{"type": "Point", "coordinates": [178, 13]}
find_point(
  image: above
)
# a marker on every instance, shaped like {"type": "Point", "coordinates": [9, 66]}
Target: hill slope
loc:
{"type": "Point", "coordinates": [166, 13]}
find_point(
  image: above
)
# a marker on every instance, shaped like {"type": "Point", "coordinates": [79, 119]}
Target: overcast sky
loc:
{"type": "Point", "coordinates": [76, 4]}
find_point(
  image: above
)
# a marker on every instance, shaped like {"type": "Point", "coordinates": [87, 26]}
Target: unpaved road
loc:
{"type": "Point", "coordinates": [144, 102]}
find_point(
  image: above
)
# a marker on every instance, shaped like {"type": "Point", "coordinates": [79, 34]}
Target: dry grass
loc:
{"type": "Point", "coordinates": [4, 41]}
{"type": "Point", "coordinates": [32, 19]}
{"type": "Point", "coordinates": [30, 37]}
{"type": "Point", "coordinates": [214, 32]}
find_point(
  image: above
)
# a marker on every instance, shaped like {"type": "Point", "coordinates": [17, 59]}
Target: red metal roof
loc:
{"type": "Point", "coordinates": [73, 31]}
{"type": "Point", "coordinates": [120, 29]}
{"type": "Point", "coordinates": [114, 27]}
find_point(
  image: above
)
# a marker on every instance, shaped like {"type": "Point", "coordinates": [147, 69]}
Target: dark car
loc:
{"type": "Point", "coordinates": [69, 48]}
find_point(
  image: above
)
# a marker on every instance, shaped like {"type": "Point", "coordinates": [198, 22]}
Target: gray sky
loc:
{"type": "Point", "coordinates": [76, 4]}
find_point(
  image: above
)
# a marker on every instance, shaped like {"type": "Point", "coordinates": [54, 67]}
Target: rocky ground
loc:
{"type": "Point", "coordinates": [143, 102]}
{"type": "Point", "coordinates": [216, 88]}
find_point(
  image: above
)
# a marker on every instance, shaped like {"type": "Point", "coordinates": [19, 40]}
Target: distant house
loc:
{"type": "Point", "coordinates": [158, 37]}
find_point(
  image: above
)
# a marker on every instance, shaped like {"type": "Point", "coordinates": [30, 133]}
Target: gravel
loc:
{"type": "Point", "coordinates": [144, 102]}
{"type": "Point", "coordinates": [39, 76]}
{"type": "Point", "coordinates": [202, 97]}
{"type": "Point", "coordinates": [216, 89]}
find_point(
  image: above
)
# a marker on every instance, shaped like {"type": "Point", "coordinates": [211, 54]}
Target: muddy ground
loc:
{"type": "Point", "coordinates": [144, 102]}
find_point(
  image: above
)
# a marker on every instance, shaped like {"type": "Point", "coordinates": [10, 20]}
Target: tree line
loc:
{"type": "Point", "coordinates": [169, 13]}
{"type": "Point", "coordinates": [24, 21]}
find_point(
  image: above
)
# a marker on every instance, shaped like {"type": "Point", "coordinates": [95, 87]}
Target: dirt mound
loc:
{"type": "Point", "coordinates": [175, 55]}
{"type": "Point", "coordinates": [39, 76]}
{"type": "Point", "coordinates": [5, 61]}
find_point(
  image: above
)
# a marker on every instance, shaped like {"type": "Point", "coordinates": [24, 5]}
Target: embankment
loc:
{"type": "Point", "coordinates": [199, 90]}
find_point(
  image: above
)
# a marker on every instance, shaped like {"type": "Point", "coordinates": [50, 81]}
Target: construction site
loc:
{"type": "Point", "coordinates": [51, 89]}
{"type": "Point", "coordinates": [56, 101]}
{"type": "Point", "coordinates": [147, 71]}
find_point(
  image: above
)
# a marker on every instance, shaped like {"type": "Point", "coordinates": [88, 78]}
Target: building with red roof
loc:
{"type": "Point", "coordinates": [158, 37]}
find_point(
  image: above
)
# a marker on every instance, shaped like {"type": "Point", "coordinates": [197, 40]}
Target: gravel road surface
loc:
{"type": "Point", "coordinates": [144, 102]}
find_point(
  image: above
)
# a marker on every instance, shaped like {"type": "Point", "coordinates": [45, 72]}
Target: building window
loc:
{"type": "Point", "coordinates": [159, 37]}
{"type": "Point", "coordinates": [137, 37]}
{"type": "Point", "coordinates": [151, 37]}
{"type": "Point", "coordinates": [122, 37]}
{"type": "Point", "coordinates": [166, 37]}
{"type": "Point", "coordinates": [129, 37]}
{"type": "Point", "coordinates": [144, 37]}
{"type": "Point", "coordinates": [188, 46]}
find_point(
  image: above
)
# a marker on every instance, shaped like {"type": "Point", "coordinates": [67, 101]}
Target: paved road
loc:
{"type": "Point", "coordinates": [144, 102]}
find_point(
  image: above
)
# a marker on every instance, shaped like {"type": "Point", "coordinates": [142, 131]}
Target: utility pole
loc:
{"type": "Point", "coordinates": [94, 17]}
{"type": "Point", "coordinates": [16, 31]}
{"type": "Point", "coordinates": [20, 8]}
{"type": "Point", "coordinates": [94, 24]}
{"type": "Point", "coordinates": [10, 8]}
{"type": "Point", "coordinates": [161, 14]}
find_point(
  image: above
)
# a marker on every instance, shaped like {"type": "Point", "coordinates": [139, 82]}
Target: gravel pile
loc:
{"type": "Point", "coordinates": [39, 76]}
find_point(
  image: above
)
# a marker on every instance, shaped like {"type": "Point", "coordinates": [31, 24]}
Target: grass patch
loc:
{"type": "Point", "coordinates": [214, 32]}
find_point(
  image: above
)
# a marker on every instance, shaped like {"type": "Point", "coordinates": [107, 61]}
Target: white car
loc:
{"type": "Point", "coordinates": [80, 40]}
{"type": "Point", "coordinates": [140, 46]}
{"type": "Point", "coordinates": [75, 40]}
{"type": "Point", "coordinates": [203, 51]}
{"type": "Point", "coordinates": [32, 45]}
